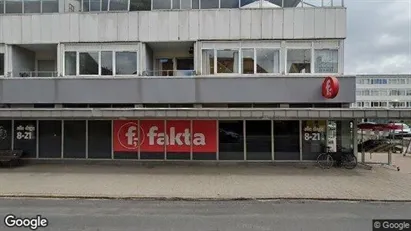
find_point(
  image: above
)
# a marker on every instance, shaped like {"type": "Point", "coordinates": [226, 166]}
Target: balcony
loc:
{"type": "Point", "coordinates": [170, 73]}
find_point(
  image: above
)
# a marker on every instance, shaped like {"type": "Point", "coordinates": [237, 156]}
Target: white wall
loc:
{"type": "Point", "coordinates": [182, 25]}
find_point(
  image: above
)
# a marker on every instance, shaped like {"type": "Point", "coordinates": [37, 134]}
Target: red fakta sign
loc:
{"type": "Point", "coordinates": [330, 87]}
{"type": "Point", "coordinates": [156, 135]}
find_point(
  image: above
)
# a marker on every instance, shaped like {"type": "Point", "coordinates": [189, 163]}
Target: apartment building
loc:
{"type": "Point", "coordinates": [72, 71]}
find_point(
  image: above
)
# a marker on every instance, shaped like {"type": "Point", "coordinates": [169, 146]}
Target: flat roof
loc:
{"type": "Point", "coordinates": [203, 113]}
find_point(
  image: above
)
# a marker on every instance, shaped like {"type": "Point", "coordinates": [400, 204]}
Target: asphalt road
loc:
{"type": "Point", "coordinates": [104, 215]}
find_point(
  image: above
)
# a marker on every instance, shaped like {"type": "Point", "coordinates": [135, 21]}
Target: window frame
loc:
{"type": "Point", "coordinates": [115, 66]}
{"type": "Point", "coordinates": [315, 62]}
{"type": "Point", "coordinates": [298, 48]}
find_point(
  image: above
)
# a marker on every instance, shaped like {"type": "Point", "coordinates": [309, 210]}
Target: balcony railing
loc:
{"type": "Point", "coordinates": [175, 73]}
{"type": "Point", "coordinates": [29, 74]}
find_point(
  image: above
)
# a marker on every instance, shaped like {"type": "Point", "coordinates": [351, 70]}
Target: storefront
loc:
{"type": "Point", "coordinates": [200, 140]}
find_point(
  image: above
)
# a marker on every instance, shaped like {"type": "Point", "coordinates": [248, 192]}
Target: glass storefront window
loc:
{"type": "Point", "coordinates": [247, 56]}
{"type": "Point", "coordinates": [14, 6]}
{"type": "Point", "coordinates": [268, 61]}
{"type": "Point", "coordinates": [99, 139]}
{"type": "Point", "coordinates": [74, 139]}
{"type": "Point", "coordinates": [231, 140]}
{"type": "Point", "coordinates": [227, 61]}
{"type": "Point", "coordinates": [1, 64]}
{"type": "Point", "coordinates": [25, 137]}
{"type": "Point", "coordinates": [314, 138]}
{"type": "Point", "coordinates": [89, 64]}
{"type": "Point", "coordinates": [5, 135]}
{"type": "Point", "coordinates": [299, 61]}
{"type": "Point", "coordinates": [32, 6]}
{"type": "Point", "coordinates": [258, 140]}
{"type": "Point", "coordinates": [286, 140]}
{"type": "Point", "coordinates": [106, 63]}
{"type": "Point", "coordinates": [208, 62]}
{"type": "Point", "coordinates": [326, 61]}
{"type": "Point", "coordinates": [50, 139]}
{"type": "Point", "coordinates": [126, 63]}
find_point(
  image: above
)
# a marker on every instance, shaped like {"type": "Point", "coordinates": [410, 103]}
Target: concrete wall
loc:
{"type": "Point", "coordinates": [172, 90]}
{"type": "Point", "coordinates": [23, 60]}
{"type": "Point", "coordinates": [182, 25]}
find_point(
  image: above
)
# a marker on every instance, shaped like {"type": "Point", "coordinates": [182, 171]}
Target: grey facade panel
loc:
{"type": "Point", "coordinates": [282, 89]}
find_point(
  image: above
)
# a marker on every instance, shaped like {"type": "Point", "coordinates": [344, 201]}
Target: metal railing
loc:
{"type": "Point", "coordinates": [30, 74]}
{"type": "Point", "coordinates": [175, 73]}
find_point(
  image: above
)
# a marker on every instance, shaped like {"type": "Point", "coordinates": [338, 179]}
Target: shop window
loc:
{"type": "Point", "coordinates": [118, 5]}
{"type": "Point", "coordinates": [25, 137]}
{"type": "Point", "coordinates": [140, 5]}
{"type": "Point", "coordinates": [231, 140]}
{"type": "Point", "coordinates": [326, 61]}
{"type": "Point", "coordinates": [299, 61]}
{"type": "Point", "coordinates": [258, 140]}
{"type": "Point", "coordinates": [208, 62]}
{"type": "Point", "coordinates": [209, 129]}
{"type": "Point", "coordinates": [229, 4]}
{"type": "Point", "coordinates": [314, 136]}
{"type": "Point", "coordinates": [49, 139]}
{"type": "Point", "coordinates": [1, 64]}
{"type": "Point", "coordinates": [182, 150]}
{"type": "Point", "coordinates": [50, 6]}
{"type": "Point", "coordinates": [32, 6]}
{"type": "Point", "coordinates": [106, 63]}
{"type": "Point", "coordinates": [286, 140]}
{"type": "Point", "coordinates": [14, 6]}
{"type": "Point", "coordinates": [88, 63]}
{"type": "Point", "coordinates": [126, 63]}
{"type": "Point", "coordinates": [99, 139]}
{"type": "Point", "coordinates": [209, 4]}
{"type": "Point", "coordinates": [227, 61]}
{"type": "Point", "coordinates": [268, 61]}
{"type": "Point", "coordinates": [74, 139]}
{"type": "Point", "coordinates": [70, 63]}
{"type": "Point", "coordinates": [247, 56]}
{"type": "Point", "coordinates": [151, 152]}
{"type": "Point", "coordinates": [5, 135]}
{"type": "Point", "coordinates": [161, 4]}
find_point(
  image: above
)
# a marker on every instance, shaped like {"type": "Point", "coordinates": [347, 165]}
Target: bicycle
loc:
{"type": "Point", "coordinates": [325, 160]}
{"type": "Point", "coordinates": [349, 161]}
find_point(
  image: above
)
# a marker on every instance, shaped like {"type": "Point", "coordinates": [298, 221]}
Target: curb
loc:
{"type": "Point", "coordinates": [136, 198]}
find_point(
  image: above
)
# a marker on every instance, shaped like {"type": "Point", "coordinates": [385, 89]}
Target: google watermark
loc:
{"type": "Point", "coordinates": [391, 225]}
{"type": "Point", "coordinates": [33, 223]}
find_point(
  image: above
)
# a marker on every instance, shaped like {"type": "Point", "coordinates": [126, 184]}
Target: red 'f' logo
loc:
{"type": "Point", "coordinates": [330, 87]}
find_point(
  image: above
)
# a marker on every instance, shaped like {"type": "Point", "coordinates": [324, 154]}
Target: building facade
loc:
{"type": "Point", "coordinates": [136, 54]}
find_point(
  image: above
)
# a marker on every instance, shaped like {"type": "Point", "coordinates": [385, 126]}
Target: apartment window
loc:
{"type": "Point", "coordinates": [358, 92]}
{"type": "Point", "coordinates": [229, 4]}
{"type": "Point", "coordinates": [118, 5]}
{"type": "Point", "coordinates": [126, 63]}
{"type": "Point", "coordinates": [383, 104]}
{"type": "Point", "coordinates": [326, 61]}
{"type": "Point", "coordinates": [246, 2]}
{"type": "Point", "coordinates": [106, 63]}
{"type": "Point", "coordinates": [140, 5]}
{"type": "Point", "coordinates": [161, 4]}
{"type": "Point", "coordinates": [209, 4]}
{"type": "Point", "coordinates": [299, 60]}
{"type": "Point", "coordinates": [375, 92]}
{"type": "Point", "coordinates": [88, 63]}
{"type": "Point", "coordinates": [1, 64]}
{"type": "Point", "coordinates": [1, 7]}
{"type": "Point", "coordinates": [50, 6]}
{"type": "Point", "coordinates": [70, 63]}
{"type": "Point", "coordinates": [408, 91]}
{"type": "Point", "coordinates": [176, 4]}
{"type": "Point", "coordinates": [268, 61]}
{"type": "Point", "coordinates": [32, 6]}
{"type": "Point", "coordinates": [95, 5]}
{"type": "Point", "coordinates": [104, 5]}
{"type": "Point", "coordinates": [366, 104]}
{"type": "Point", "coordinates": [195, 4]}
{"type": "Point", "coordinates": [227, 61]}
{"type": "Point", "coordinates": [14, 6]}
{"type": "Point", "coordinates": [375, 104]}
{"type": "Point", "coordinates": [360, 104]}
{"type": "Point", "coordinates": [247, 56]}
{"type": "Point", "coordinates": [208, 62]}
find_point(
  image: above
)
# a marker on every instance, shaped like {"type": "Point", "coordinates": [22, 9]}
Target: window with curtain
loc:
{"type": "Point", "coordinates": [208, 62]}
{"type": "Point", "coordinates": [326, 61]}
{"type": "Point", "coordinates": [268, 60]}
{"type": "Point", "coordinates": [227, 61]}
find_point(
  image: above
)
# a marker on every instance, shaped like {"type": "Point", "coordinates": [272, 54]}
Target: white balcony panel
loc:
{"type": "Point", "coordinates": [133, 25]}
{"type": "Point", "coordinates": [182, 25]}
{"type": "Point", "coordinates": [299, 23]}
{"type": "Point", "coordinates": [235, 24]}
{"type": "Point", "coordinates": [288, 29]}
{"type": "Point", "coordinates": [245, 24]}
{"type": "Point", "coordinates": [267, 24]}
{"type": "Point", "coordinates": [278, 24]}
{"type": "Point", "coordinates": [309, 23]}
{"type": "Point", "coordinates": [320, 25]}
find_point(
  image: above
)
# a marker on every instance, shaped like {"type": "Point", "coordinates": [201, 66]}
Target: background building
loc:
{"type": "Point", "coordinates": [172, 53]}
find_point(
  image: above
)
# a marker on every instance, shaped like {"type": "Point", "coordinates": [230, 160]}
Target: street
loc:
{"type": "Point", "coordinates": [105, 215]}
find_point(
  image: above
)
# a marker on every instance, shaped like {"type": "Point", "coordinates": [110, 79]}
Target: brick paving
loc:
{"type": "Point", "coordinates": [201, 182]}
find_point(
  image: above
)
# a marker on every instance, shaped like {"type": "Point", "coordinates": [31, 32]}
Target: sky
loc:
{"type": "Point", "coordinates": [378, 37]}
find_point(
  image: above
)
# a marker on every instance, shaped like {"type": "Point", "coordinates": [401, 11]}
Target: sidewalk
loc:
{"type": "Point", "coordinates": [205, 182]}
